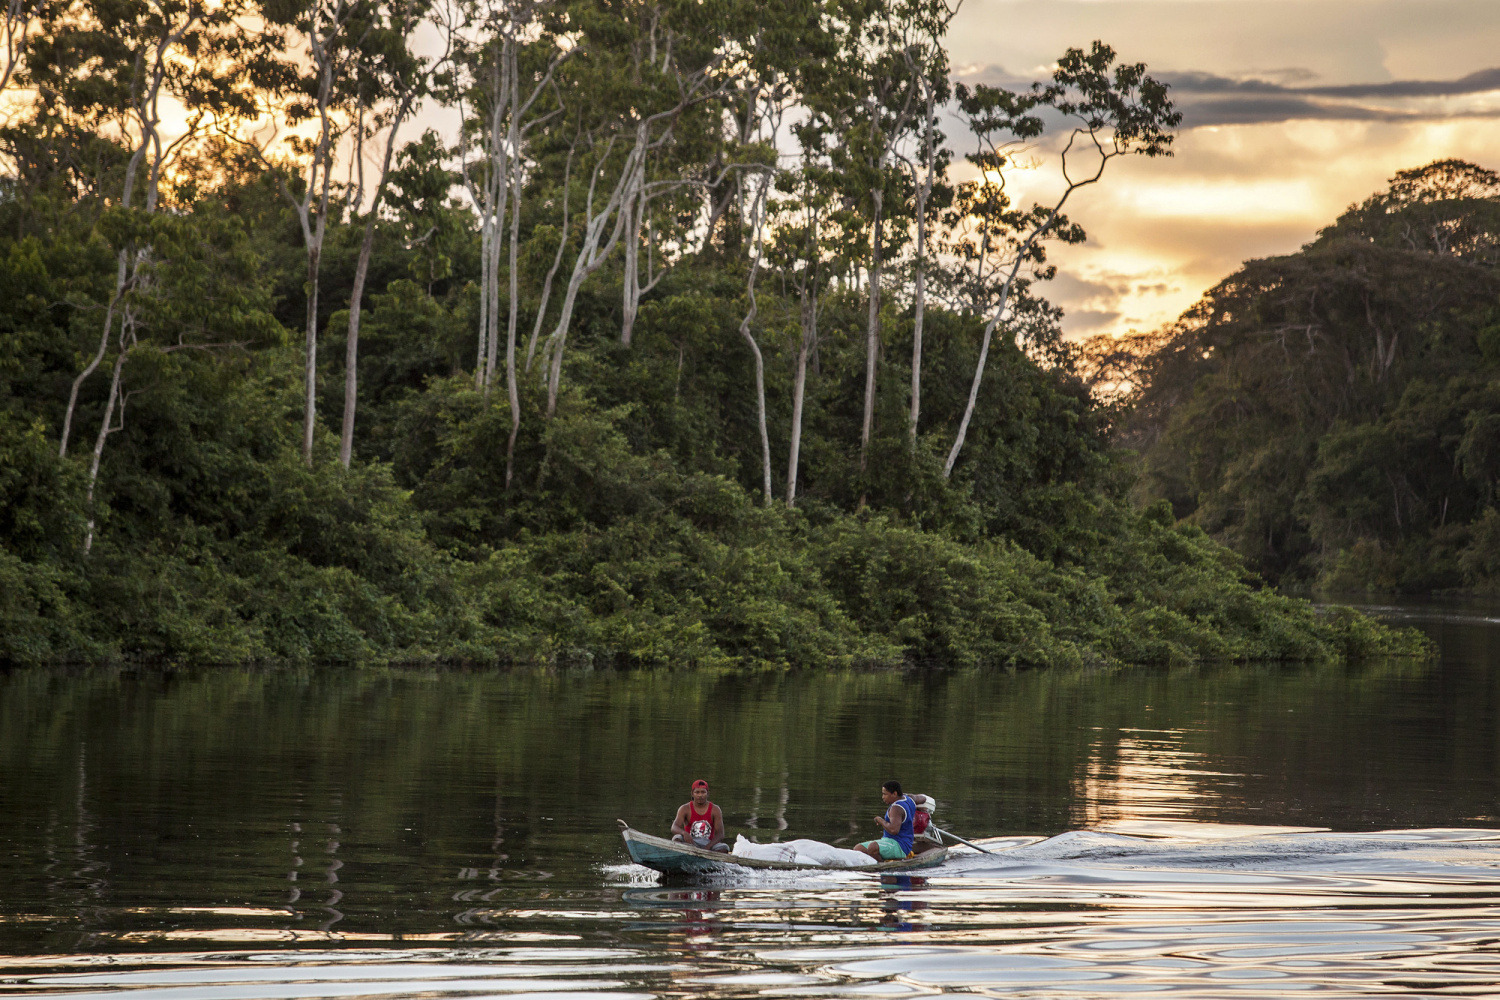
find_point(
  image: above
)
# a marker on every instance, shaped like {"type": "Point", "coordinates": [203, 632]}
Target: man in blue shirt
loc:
{"type": "Point", "coordinates": [900, 811]}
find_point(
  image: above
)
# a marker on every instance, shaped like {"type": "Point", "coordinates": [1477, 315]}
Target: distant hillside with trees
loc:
{"type": "Point", "coordinates": [684, 347]}
{"type": "Point", "coordinates": [1334, 415]}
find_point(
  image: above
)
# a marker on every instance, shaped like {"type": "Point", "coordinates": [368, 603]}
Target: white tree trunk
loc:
{"type": "Point", "coordinates": [872, 334]}
{"type": "Point", "coordinates": [919, 295]}
{"type": "Point", "coordinates": [104, 431]}
{"type": "Point", "coordinates": [635, 205]}
{"type": "Point", "coordinates": [591, 255]}
{"type": "Point", "coordinates": [109, 321]}
{"type": "Point", "coordinates": [357, 293]}
{"type": "Point", "coordinates": [799, 387]}
{"type": "Point", "coordinates": [486, 233]}
{"type": "Point", "coordinates": [512, 382]}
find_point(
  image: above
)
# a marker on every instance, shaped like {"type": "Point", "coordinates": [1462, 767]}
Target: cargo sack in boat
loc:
{"type": "Point", "coordinates": [802, 852]}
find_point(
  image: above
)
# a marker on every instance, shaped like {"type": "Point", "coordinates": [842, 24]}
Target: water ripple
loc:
{"type": "Point", "coordinates": [1189, 912]}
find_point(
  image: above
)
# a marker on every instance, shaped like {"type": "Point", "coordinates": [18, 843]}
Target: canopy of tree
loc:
{"type": "Point", "coordinates": [1334, 415]}
{"type": "Point", "coordinates": [629, 372]}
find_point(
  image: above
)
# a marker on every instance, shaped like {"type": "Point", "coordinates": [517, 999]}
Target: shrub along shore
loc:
{"type": "Point", "coordinates": [244, 554]}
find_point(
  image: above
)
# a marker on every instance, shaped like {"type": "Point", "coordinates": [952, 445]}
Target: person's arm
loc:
{"type": "Point", "coordinates": [886, 823]}
{"type": "Point", "coordinates": [718, 825]}
{"type": "Point", "coordinates": [678, 825]}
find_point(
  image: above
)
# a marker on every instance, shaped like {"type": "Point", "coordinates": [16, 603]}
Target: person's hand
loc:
{"type": "Point", "coordinates": [880, 822]}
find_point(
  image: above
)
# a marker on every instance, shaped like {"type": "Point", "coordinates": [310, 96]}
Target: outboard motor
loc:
{"type": "Point", "coordinates": [921, 823]}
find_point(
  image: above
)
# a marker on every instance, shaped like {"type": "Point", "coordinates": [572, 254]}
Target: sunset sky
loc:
{"type": "Point", "coordinates": [1294, 109]}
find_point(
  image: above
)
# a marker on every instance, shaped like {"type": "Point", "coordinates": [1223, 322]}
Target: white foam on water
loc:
{"type": "Point", "coordinates": [1177, 910]}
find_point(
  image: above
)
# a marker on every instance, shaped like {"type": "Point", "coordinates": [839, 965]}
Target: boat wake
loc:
{"type": "Point", "coordinates": [1148, 910]}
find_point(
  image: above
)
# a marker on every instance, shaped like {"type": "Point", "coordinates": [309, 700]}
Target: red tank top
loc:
{"type": "Point", "coordinates": [701, 825]}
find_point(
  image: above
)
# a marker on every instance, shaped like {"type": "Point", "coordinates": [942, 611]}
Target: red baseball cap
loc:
{"type": "Point", "coordinates": [700, 783]}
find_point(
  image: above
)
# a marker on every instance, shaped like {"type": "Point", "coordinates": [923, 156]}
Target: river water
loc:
{"type": "Point", "coordinates": [1228, 831]}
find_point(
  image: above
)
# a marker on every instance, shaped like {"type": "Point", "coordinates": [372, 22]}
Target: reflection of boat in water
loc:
{"type": "Point", "coordinates": [672, 857]}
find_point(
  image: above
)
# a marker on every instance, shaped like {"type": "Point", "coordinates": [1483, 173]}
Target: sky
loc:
{"type": "Point", "coordinates": [1293, 110]}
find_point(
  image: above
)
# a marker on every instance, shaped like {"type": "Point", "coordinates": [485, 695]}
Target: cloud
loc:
{"type": "Point", "coordinates": [1294, 111]}
{"type": "Point", "coordinates": [1210, 99]}
{"type": "Point", "coordinates": [1082, 322]}
{"type": "Point", "coordinates": [1474, 83]}
{"type": "Point", "coordinates": [1207, 99]}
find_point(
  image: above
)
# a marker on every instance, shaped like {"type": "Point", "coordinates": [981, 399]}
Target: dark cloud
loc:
{"type": "Point", "coordinates": [1075, 288]}
{"type": "Point", "coordinates": [1208, 99]}
{"type": "Point", "coordinates": [1197, 113]}
{"type": "Point", "coordinates": [1088, 320]}
{"type": "Point", "coordinates": [1156, 288]}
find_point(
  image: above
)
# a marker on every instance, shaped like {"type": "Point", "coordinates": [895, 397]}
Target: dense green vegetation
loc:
{"type": "Point", "coordinates": [1332, 415]}
{"type": "Point", "coordinates": [578, 470]}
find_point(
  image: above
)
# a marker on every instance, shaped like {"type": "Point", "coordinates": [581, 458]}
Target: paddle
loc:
{"type": "Point", "coordinates": [981, 850]}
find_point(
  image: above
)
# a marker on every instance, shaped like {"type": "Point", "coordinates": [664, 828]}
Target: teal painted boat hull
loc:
{"type": "Point", "coordinates": [675, 858]}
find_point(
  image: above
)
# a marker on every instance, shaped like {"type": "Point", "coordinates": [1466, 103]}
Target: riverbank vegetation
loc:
{"type": "Point", "coordinates": [1334, 415]}
{"type": "Point", "coordinates": [688, 346]}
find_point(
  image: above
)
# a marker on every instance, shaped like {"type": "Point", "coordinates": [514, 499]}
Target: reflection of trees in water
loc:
{"type": "Point", "coordinates": [331, 874]}
{"type": "Point", "coordinates": [75, 873]}
{"type": "Point", "coordinates": [507, 775]}
{"type": "Point", "coordinates": [296, 892]}
{"type": "Point", "coordinates": [778, 816]}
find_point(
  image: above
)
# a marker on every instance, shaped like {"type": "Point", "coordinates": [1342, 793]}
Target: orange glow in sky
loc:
{"type": "Point", "coordinates": [1295, 109]}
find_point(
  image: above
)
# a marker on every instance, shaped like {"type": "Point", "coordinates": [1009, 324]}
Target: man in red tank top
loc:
{"type": "Point", "coordinates": [699, 822]}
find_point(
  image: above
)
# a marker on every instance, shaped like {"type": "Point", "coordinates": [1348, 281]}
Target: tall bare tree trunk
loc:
{"type": "Point", "coordinates": [351, 349]}
{"type": "Point", "coordinates": [632, 275]}
{"type": "Point", "coordinates": [512, 381]}
{"type": "Point", "coordinates": [562, 245]}
{"type": "Point", "coordinates": [492, 332]}
{"type": "Point", "coordinates": [144, 100]}
{"type": "Point", "coordinates": [760, 394]}
{"type": "Point", "coordinates": [109, 414]}
{"type": "Point", "coordinates": [109, 322]}
{"type": "Point", "coordinates": [558, 342]}
{"type": "Point", "coordinates": [145, 95]}
{"type": "Point", "coordinates": [757, 210]}
{"type": "Point", "coordinates": [313, 234]}
{"type": "Point", "coordinates": [872, 334]}
{"type": "Point", "coordinates": [919, 304]}
{"type": "Point", "coordinates": [799, 387]}
{"type": "Point", "coordinates": [310, 360]}
{"type": "Point", "coordinates": [485, 235]}
{"type": "Point", "coordinates": [357, 293]}
{"type": "Point", "coordinates": [591, 255]}
{"type": "Point", "coordinates": [760, 407]}
{"type": "Point", "coordinates": [984, 353]}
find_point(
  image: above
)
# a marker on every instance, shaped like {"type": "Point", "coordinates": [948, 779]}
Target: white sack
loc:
{"type": "Point", "coordinates": [812, 852]}
{"type": "Point", "coordinates": [802, 852]}
{"type": "Point", "coordinates": [763, 852]}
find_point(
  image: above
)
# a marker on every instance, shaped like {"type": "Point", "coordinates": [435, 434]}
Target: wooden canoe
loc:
{"type": "Point", "coordinates": [671, 857]}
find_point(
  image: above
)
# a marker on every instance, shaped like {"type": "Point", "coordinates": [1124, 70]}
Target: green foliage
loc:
{"type": "Point", "coordinates": [181, 521]}
{"type": "Point", "coordinates": [1332, 415]}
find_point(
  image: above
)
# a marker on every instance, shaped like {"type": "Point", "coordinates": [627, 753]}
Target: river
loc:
{"type": "Point", "coordinates": [1225, 831]}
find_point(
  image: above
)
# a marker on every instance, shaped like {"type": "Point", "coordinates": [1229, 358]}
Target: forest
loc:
{"type": "Point", "coordinates": [606, 332]}
{"type": "Point", "coordinates": [1334, 415]}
